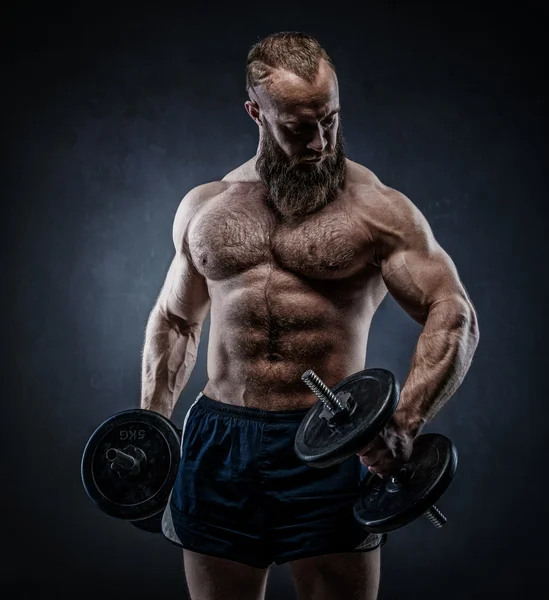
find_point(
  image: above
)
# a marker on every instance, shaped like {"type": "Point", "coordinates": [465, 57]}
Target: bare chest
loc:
{"type": "Point", "coordinates": [236, 233]}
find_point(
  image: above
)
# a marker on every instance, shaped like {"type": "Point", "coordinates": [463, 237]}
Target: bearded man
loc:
{"type": "Point", "coordinates": [291, 254]}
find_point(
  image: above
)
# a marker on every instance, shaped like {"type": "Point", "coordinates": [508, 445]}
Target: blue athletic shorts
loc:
{"type": "Point", "coordinates": [242, 494]}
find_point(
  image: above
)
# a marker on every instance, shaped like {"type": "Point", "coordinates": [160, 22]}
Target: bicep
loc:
{"type": "Point", "coordinates": [184, 296]}
{"type": "Point", "coordinates": [420, 275]}
{"type": "Point", "coordinates": [418, 272]}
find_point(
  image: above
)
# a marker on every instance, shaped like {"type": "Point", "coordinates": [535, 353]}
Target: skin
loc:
{"type": "Point", "coordinates": [286, 295]}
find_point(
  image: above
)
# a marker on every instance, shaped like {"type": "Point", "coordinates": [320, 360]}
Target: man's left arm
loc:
{"type": "Point", "coordinates": [423, 279]}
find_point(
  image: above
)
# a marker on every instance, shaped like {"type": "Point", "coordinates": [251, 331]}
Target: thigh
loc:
{"type": "Point", "coordinates": [211, 578]}
{"type": "Point", "coordinates": [353, 576]}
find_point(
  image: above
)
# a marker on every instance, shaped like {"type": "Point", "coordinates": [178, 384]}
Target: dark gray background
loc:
{"type": "Point", "coordinates": [112, 114]}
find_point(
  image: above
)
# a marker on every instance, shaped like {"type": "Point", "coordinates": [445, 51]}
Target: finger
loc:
{"type": "Point", "coordinates": [377, 469]}
{"type": "Point", "coordinates": [365, 450]}
{"type": "Point", "coordinates": [373, 466]}
{"type": "Point", "coordinates": [376, 444]}
{"type": "Point", "coordinates": [373, 456]}
{"type": "Point", "coordinates": [388, 467]}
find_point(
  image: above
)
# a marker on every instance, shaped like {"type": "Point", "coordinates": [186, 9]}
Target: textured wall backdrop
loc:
{"type": "Point", "coordinates": [112, 114]}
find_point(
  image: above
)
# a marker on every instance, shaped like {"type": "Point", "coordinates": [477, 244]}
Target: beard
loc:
{"type": "Point", "coordinates": [295, 189]}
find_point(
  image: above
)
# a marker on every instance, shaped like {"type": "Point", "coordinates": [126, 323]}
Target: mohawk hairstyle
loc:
{"type": "Point", "coordinates": [296, 52]}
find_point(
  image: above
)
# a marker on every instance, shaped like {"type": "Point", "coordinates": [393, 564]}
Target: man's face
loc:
{"type": "Point", "coordinates": [301, 156]}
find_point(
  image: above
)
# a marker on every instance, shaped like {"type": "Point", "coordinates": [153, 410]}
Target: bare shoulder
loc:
{"type": "Point", "coordinates": [372, 193]}
{"type": "Point", "coordinates": [389, 214]}
{"type": "Point", "coordinates": [194, 201]}
{"type": "Point", "coordinates": [201, 196]}
{"type": "Point", "coordinates": [357, 174]}
{"type": "Point", "coordinates": [244, 173]}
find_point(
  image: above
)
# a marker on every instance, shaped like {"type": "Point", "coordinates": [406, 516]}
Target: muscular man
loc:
{"type": "Point", "coordinates": [292, 253]}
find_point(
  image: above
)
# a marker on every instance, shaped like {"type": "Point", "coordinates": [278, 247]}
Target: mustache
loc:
{"type": "Point", "coordinates": [309, 158]}
{"type": "Point", "coordinates": [301, 158]}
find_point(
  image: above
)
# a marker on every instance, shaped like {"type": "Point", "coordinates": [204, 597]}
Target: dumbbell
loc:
{"type": "Point", "coordinates": [345, 420]}
{"type": "Point", "coordinates": [129, 466]}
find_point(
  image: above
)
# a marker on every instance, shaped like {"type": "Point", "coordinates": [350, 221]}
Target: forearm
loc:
{"type": "Point", "coordinates": [169, 356]}
{"type": "Point", "coordinates": [441, 359]}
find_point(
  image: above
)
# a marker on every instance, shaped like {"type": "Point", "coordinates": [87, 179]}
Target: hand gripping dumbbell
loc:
{"type": "Point", "coordinates": [129, 467]}
{"type": "Point", "coordinates": [345, 420]}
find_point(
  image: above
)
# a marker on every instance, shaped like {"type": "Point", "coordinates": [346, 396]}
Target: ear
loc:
{"type": "Point", "coordinates": [252, 108]}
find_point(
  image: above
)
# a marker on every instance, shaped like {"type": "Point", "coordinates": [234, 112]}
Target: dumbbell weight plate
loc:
{"type": "Point", "coordinates": [375, 393]}
{"type": "Point", "coordinates": [126, 494]}
{"type": "Point", "coordinates": [151, 525]}
{"type": "Point", "coordinates": [384, 507]}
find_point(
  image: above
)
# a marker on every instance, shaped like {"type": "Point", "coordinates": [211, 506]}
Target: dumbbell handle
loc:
{"type": "Point", "coordinates": [322, 391]}
{"type": "Point", "coordinates": [436, 517]}
{"type": "Point", "coordinates": [434, 514]}
{"type": "Point", "coordinates": [332, 403]}
{"type": "Point", "coordinates": [124, 460]}
{"type": "Point", "coordinates": [121, 459]}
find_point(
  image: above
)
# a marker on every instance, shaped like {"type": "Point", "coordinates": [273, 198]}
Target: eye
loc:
{"type": "Point", "coordinates": [294, 131]}
{"type": "Point", "coordinates": [329, 122]}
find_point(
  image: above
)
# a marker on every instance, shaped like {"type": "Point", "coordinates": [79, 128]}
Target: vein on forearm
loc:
{"type": "Point", "coordinates": [169, 356]}
{"type": "Point", "coordinates": [441, 358]}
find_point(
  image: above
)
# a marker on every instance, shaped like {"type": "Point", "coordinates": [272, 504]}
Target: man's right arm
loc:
{"type": "Point", "coordinates": [175, 323]}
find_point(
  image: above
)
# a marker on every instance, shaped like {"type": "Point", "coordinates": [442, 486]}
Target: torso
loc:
{"type": "Point", "coordinates": [284, 297]}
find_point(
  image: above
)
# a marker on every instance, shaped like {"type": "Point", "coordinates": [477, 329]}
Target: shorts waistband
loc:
{"type": "Point", "coordinates": [246, 412]}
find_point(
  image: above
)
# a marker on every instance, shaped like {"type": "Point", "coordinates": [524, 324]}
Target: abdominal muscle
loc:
{"type": "Point", "coordinates": [269, 326]}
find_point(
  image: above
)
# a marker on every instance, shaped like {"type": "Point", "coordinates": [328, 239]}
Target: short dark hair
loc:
{"type": "Point", "coordinates": [296, 52]}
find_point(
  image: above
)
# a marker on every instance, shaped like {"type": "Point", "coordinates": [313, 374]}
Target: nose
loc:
{"type": "Point", "coordinates": [317, 143]}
